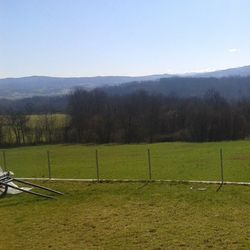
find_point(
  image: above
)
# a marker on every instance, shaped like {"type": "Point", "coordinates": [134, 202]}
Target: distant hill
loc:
{"type": "Point", "coordinates": [23, 87]}
{"type": "Point", "coordinates": [16, 88]}
{"type": "Point", "coordinates": [241, 72]}
{"type": "Point", "coordinates": [229, 87]}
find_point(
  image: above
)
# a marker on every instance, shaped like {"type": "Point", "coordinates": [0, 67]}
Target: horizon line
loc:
{"type": "Point", "coordinates": [208, 70]}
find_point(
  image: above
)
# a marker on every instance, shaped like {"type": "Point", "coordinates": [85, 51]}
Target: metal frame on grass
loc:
{"type": "Point", "coordinates": [5, 183]}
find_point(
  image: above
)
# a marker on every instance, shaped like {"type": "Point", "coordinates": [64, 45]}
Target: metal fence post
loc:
{"type": "Point", "coordinates": [49, 164]}
{"type": "Point", "coordinates": [97, 165]}
{"type": "Point", "coordinates": [149, 165]}
{"type": "Point", "coordinates": [221, 170]}
{"type": "Point", "coordinates": [4, 161]}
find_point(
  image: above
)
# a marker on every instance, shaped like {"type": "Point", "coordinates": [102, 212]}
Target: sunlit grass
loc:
{"type": "Point", "coordinates": [196, 161]}
{"type": "Point", "coordinates": [128, 216]}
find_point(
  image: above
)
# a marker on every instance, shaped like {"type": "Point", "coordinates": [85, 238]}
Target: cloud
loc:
{"type": "Point", "coordinates": [233, 50]}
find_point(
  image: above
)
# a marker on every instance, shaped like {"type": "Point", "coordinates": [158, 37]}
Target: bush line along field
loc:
{"type": "Point", "coordinates": [19, 129]}
{"type": "Point", "coordinates": [175, 161]}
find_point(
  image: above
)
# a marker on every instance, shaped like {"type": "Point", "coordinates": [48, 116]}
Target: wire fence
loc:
{"type": "Point", "coordinates": [143, 163]}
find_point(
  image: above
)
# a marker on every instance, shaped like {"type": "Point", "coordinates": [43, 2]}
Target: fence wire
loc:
{"type": "Point", "coordinates": [176, 161]}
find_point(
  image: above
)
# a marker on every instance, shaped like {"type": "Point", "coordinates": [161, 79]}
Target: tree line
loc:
{"type": "Point", "coordinates": [142, 117]}
{"type": "Point", "coordinates": [96, 117]}
{"type": "Point", "coordinates": [18, 128]}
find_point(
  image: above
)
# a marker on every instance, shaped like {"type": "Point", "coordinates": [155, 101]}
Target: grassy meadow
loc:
{"type": "Point", "coordinates": [187, 161]}
{"type": "Point", "coordinates": [58, 119]}
{"type": "Point", "coordinates": [128, 216]}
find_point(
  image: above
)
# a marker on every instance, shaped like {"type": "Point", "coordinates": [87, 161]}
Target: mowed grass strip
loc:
{"type": "Point", "coordinates": [128, 216]}
{"type": "Point", "coordinates": [185, 161]}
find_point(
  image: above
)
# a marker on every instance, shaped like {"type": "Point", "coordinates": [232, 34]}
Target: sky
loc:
{"type": "Point", "coordinates": [122, 37]}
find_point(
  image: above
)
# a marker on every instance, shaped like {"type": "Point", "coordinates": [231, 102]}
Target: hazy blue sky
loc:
{"type": "Point", "coordinates": [122, 37]}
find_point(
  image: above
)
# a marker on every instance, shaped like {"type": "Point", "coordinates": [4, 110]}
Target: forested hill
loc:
{"type": "Point", "coordinates": [183, 84]}
{"type": "Point", "coordinates": [35, 105]}
{"type": "Point", "coordinates": [229, 87]}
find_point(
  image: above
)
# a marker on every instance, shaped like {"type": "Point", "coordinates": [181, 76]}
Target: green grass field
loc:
{"type": "Point", "coordinates": [187, 161]}
{"type": "Point", "coordinates": [128, 216]}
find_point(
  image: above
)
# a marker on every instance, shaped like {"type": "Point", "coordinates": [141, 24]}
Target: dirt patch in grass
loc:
{"type": "Point", "coordinates": [240, 158]}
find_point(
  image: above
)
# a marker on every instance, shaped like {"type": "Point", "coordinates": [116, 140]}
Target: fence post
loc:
{"type": "Point", "coordinates": [97, 165]}
{"type": "Point", "coordinates": [4, 161]}
{"type": "Point", "coordinates": [221, 170]}
{"type": "Point", "coordinates": [49, 164]}
{"type": "Point", "coordinates": [149, 165]}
